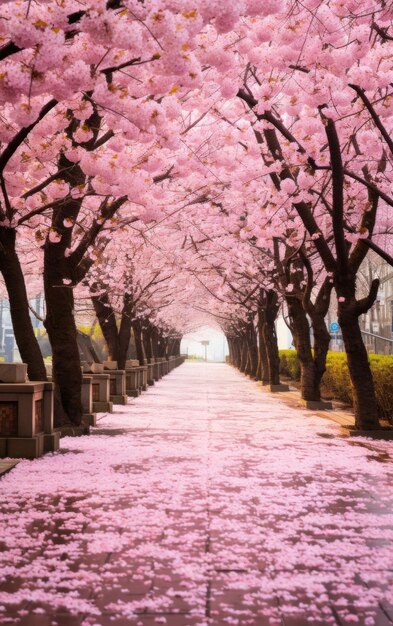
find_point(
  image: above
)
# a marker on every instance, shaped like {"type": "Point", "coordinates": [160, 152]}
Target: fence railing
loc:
{"type": "Point", "coordinates": [377, 343]}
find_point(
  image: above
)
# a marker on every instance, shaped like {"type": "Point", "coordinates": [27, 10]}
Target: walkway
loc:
{"type": "Point", "coordinates": [205, 502]}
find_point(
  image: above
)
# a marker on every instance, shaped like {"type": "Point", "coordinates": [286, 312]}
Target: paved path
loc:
{"type": "Point", "coordinates": [205, 502]}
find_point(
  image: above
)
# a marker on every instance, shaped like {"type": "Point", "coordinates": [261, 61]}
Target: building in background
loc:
{"type": "Point", "coordinates": [8, 349]}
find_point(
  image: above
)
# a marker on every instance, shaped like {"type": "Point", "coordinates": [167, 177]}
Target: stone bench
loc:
{"type": "Point", "coordinates": [26, 414]}
{"type": "Point", "coordinates": [132, 382]}
{"type": "Point", "coordinates": [138, 379]}
{"type": "Point", "coordinates": [100, 387]}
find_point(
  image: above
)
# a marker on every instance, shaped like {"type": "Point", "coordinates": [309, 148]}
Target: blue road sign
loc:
{"type": "Point", "coordinates": [334, 327]}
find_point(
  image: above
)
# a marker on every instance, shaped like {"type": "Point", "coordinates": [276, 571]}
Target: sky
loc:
{"type": "Point", "coordinates": [216, 350]}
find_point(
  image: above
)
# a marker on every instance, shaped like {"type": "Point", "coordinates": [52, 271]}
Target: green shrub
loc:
{"type": "Point", "coordinates": [289, 364]}
{"type": "Point", "coordinates": [336, 382]}
{"type": "Point", "coordinates": [382, 369]}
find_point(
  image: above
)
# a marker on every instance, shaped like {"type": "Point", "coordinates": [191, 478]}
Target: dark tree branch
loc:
{"type": "Point", "coordinates": [382, 32]}
{"type": "Point", "coordinates": [375, 117]}
{"type": "Point", "coordinates": [363, 305]}
{"type": "Point", "coordinates": [338, 193]}
{"type": "Point", "coordinates": [8, 49]}
{"type": "Point", "coordinates": [269, 117]}
{"type": "Point", "coordinates": [356, 177]}
{"type": "Point", "coordinates": [107, 212]}
{"type": "Point", "coordinates": [22, 134]}
{"type": "Point", "coordinates": [373, 246]}
{"type": "Point", "coordinates": [45, 183]}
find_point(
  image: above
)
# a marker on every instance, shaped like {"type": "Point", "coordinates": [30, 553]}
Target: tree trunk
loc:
{"type": "Point", "coordinates": [317, 312]}
{"type": "Point", "coordinates": [235, 357]}
{"type": "Point", "coordinates": [244, 355]}
{"type": "Point", "coordinates": [137, 329]}
{"type": "Point", "coordinates": [263, 364]}
{"type": "Point", "coordinates": [363, 390]}
{"type": "Point", "coordinates": [154, 342]}
{"type": "Point", "coordinates": [301, 337]}
{"type": "Point", "coordinates": [124, 340]}
{"type": "Point", "coordinates": [321, 348]}
{"type": "Point", "coordinates": [364, 401]}
{"type": "Point", "coordinates": [19, 306]}
{"type": "Point", "coordinates": [147, 342]}
{"type": "Point", "coordinates": [270, 337]}
{"type": "Point", "coordinates": [61, 328]}
{"type": "Point", "coordinates": [252, 349]}
{"type": "Point", "coordinates": [162, 345]}
{"type": "Point", "coordinates": [238, 353]}
{"type": "Point", "coordinates": [116, 338]}
{"type": "Point", "coordinates": [232, 350]}
{"type": "Point", "coordinates": [107, 321]}
{"type": "Point", "coordinates": [60, 322]}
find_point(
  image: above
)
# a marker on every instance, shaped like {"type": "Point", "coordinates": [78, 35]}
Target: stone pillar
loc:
{"type": "Point", "coordinates": [150, 373]}
{"type": "Point", "coordinates": [132, 382]}
{"type": "Point", "coordinates": [26, 414]}
{"type": "Point", "coordinates": [101, 394]}
{"type": "Point", "coordinates": [144, 373]}
{"type": "Point", "coordinates": [87, 400]}
{"type": "Point", "coordinates": [118, 386]}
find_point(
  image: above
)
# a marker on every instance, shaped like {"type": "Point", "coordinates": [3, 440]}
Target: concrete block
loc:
{"type": "Point", "coordinates": [70, 430]}
{"type": "Point", "coordinates": [117, 382]}
{"type": "Point", "coordinates": [150, 374]}
{"type": "Point", "coordinates": [278, 388]}
{"type": "Point", "coordinates": [3, 447]}
{"type": "Point", "coordinates": [145, 375]}
{"type": "Point", "coordinates": [101, 389]}
{"type": "Point", "coordinates": [90, 419]}
{"type": "Point", "coordinates": [26, 416]}
{"type": "Point", "coordinates": [13, 372]}
{"type": "Point", "coordinates": [132, 382]}
{"type": "Point", "coordinates": [157, 371]}
{"type": "Point", "coordinates": [25, 447]}
{"type": "Point", "coordinates": [132, 363]}
{"type": "Point", "coordinates": [110, 365]}
{"type": "Point", "coordinates": [52, 442]}
{"type": "Point", "coordinates": [317, 406]}
{"type": "Point", "coordinates": [93, 368]}
{"type": "Point", "coordinates": [87, 393]}
{"type": "Point", "coordinates": [102, 407]}
{"type": "Point", "coordinates": [119, 399]}
{"type": "Point", "coordinates": [384, 432]}
{"type": "Point", "coordinates": [7, 466]}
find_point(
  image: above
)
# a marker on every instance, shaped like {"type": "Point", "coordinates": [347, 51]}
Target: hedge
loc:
{"type": "Point", "coordinates": [336, 381]}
